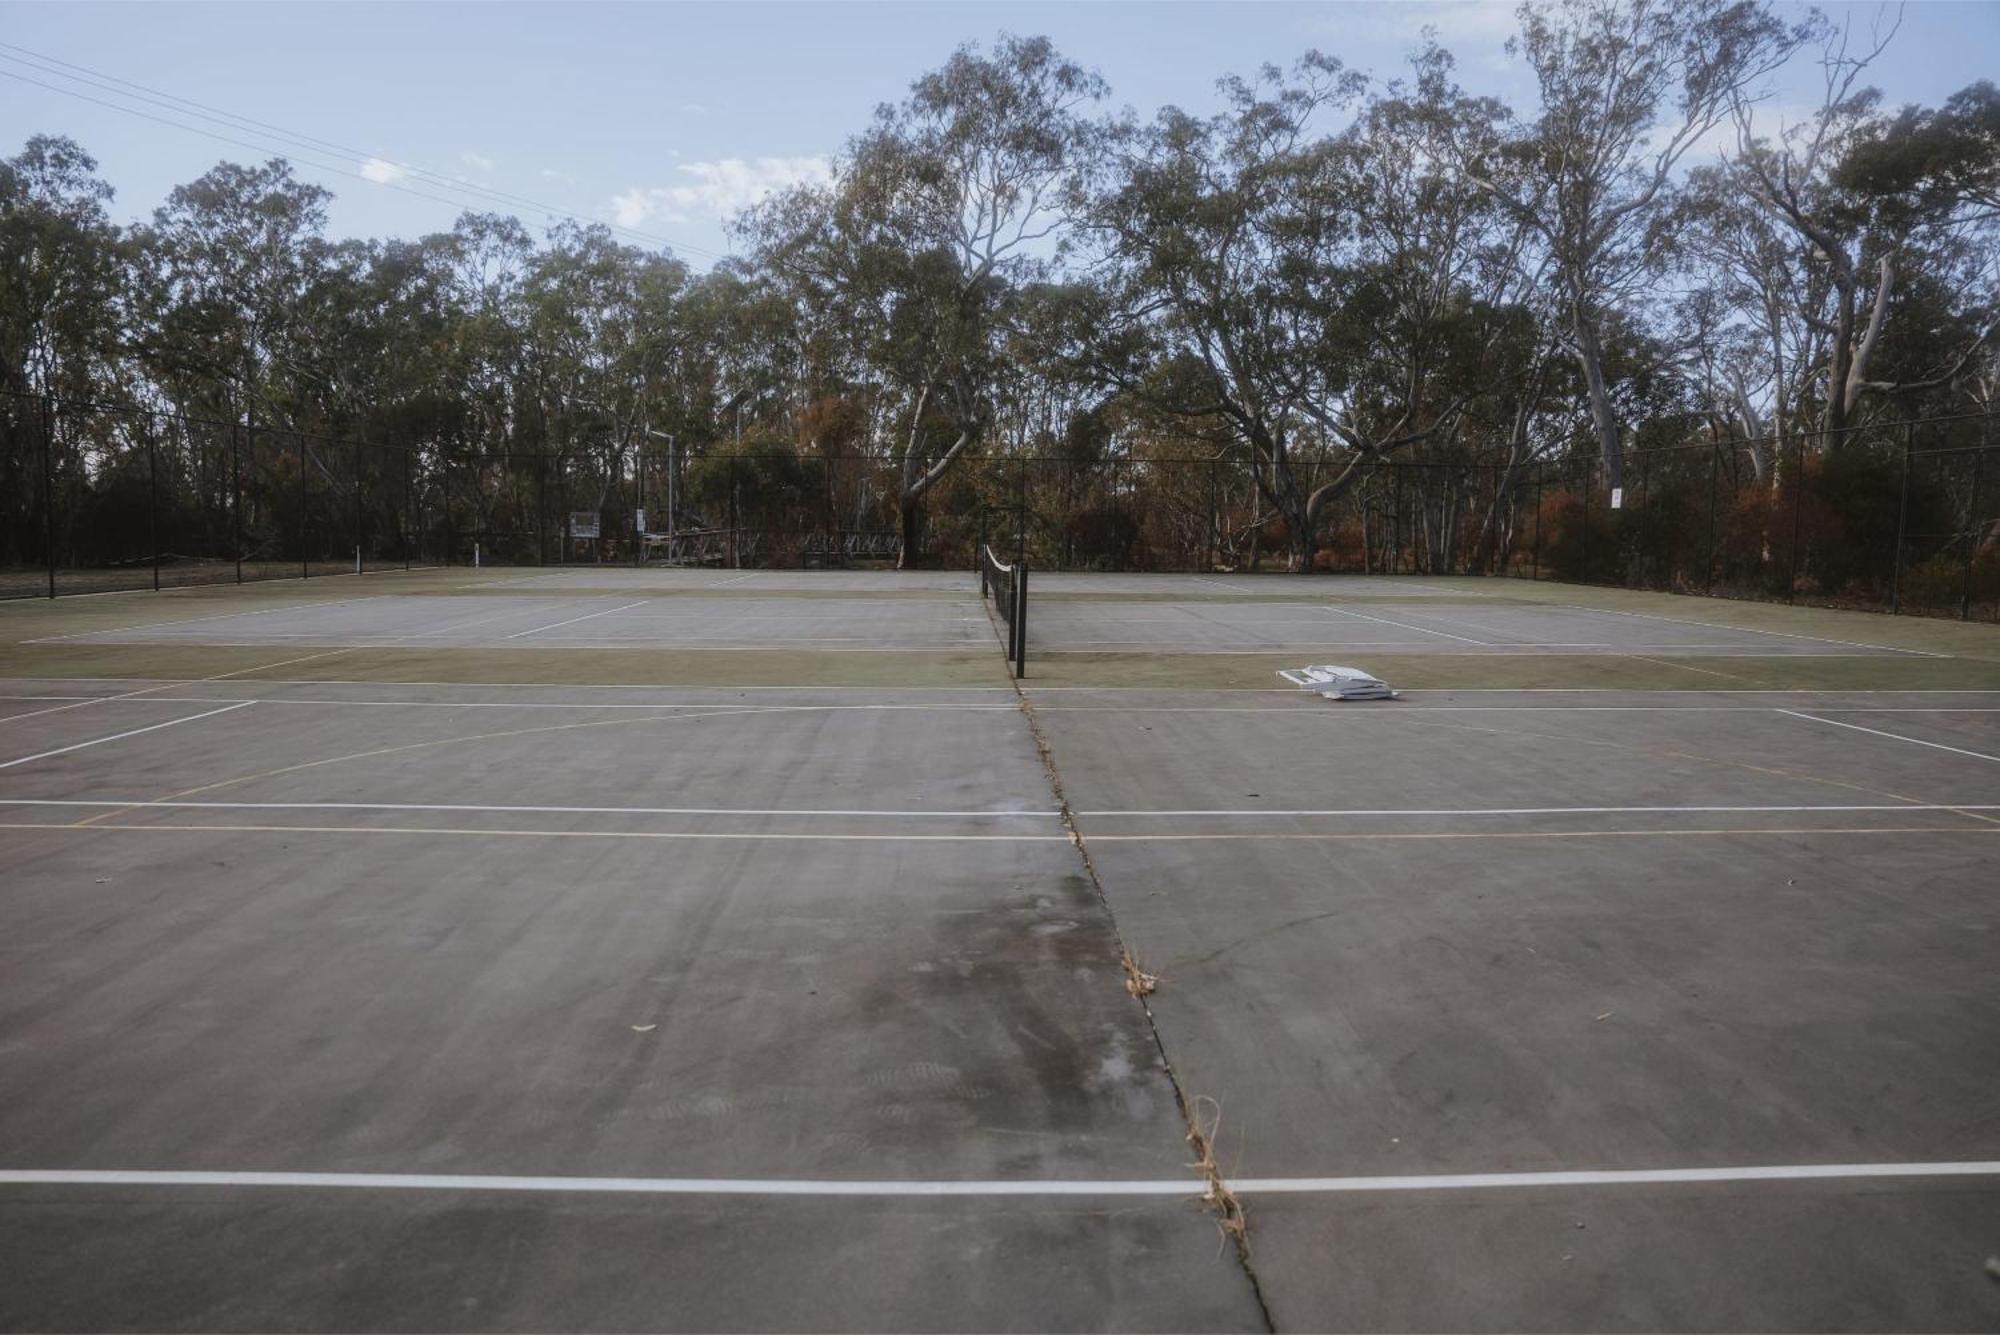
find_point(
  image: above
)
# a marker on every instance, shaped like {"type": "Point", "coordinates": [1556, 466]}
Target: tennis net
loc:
{"type": "Point", "coordinates": [1007, 586]}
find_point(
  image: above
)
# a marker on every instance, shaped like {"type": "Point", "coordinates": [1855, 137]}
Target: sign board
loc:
{"type": "Point", "coordinates": [638, 521]}
{"type": "Point", "coordinates": [583, 523]}
{"type": "Point", "coordinates": [1618, 498]}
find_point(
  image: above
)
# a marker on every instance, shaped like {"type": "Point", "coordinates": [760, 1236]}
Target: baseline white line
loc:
{"type": "Point", "coordinates": [1404, 625]}
{"type": "Point", "coordinates": [711, 1186]}
{"type": "Point", "coordinates": [719, 583]}
{"type": "Point", "coordinates": [1893, 736]}
{"type": "Point", "coordinates": [1531, 811]}
{"type": "Point", "coordinates": [1280, 836]}
{"type": "Point", "coordinates": [625, 811]}
{"type": "Point", "coordinates": [120, 736]}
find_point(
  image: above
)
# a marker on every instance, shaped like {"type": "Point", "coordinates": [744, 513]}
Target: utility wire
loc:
{"type": "Point", "coordinates": [290, 141]}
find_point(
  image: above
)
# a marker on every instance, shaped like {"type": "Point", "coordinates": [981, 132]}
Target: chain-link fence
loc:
{"type": "Point", "coordinates": [1900, 517]}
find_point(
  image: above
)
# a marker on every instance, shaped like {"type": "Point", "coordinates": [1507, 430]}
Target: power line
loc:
{"type": "Point", "coordinates": [290, 142]}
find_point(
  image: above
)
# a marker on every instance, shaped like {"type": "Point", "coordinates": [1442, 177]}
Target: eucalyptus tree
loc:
{"type": "Point", "coordinates": [1886, 213]}
{"type": "Point", "coordinates": [1628, 89]}
{"type": "Point", "coordinates": [61, 280]}
{"type": "Point", "coordinates": [226, 262]}
{"type": "Point", "coordinates": [936, 216]}
{"type": "Point", "coordinates": [1318, 302]}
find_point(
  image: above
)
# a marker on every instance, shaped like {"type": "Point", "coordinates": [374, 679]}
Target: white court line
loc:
{"type": "Point", "coordinates": [1280, 836]}
{"type": "Point", "coordinates": [719, 583]}
{"type": "Point", "coordinates": [219, 616]}
{"type": "Point", "coordinates": [1893, 736]}
{"type": "Point", "coordinates": [642, 811]}
{"type": "Point", "coordinates": [1532, 811]}
{"type": "Point", "coordinates": [1354, 812]}
{"type": "Point", "coordinates": [1462, 639]}
{"type": "Point", "coordinates": [603, 612]}
{"type": "Point", "coordinates": [120, 736]}
{"type": "Point", "coordinates": [751, 1186]}
{"type": "Point", "coordinates": [1749, 630]}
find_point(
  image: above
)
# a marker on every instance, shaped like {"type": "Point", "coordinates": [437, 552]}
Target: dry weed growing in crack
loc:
{"type": "Point", "coordinates": [1204, 1121]}
{"type": "Point", "coordinates": [1137, 981]}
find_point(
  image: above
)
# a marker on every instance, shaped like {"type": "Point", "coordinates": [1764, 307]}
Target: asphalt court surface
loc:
{"type": "Point", "coordinates": [675, 1007]}
{"type": "Point", "coordinates": [839, 618]}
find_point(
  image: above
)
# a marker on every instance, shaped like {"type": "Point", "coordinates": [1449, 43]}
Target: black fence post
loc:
{"type": "Point", "coordinates": [1972, 524]}
{"type": "Point", "coordinates": [153, 498]}
{"type": "Point", "coordinates": [1714, 478]}
{"type": "Point", "coordinates": [49, 488]}
{"type": "Point", "coordinates": [1535, 557]}
{"type": "Point", "coordinates": [542, 508]}
{"type": "Point", "coordinates": [305, 522]}
{"type": "Point", "coordinates": [444, 473]}
{"type": "Point", "coordinates": [359, 522]}
{"type": "Point", "coordinates": [1902, 521]}
{"type": "Point", "coordinates": [236, 492]}
{"type": "Point", "coordinates": [409, 509]}
{"type": "Point", "coordinates": [1396, 522]}
{"type": "Point", "coordinates": [1798, 513]}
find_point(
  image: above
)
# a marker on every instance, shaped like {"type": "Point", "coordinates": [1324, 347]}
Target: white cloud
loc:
{"type": "Point", "coordinates": [717, 189]}
{"type": "Point", "coordinates": [695, 109]}
{"type": "Point", "coordinates": [477, 161]}
{"type": "Point", "coordinates": [380, 172]}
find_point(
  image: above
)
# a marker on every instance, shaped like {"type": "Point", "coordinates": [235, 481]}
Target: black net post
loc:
{"type": "Point", "coordinates": [1020, 619]}
{"type": "Point", "coordinates": [1902, 521]}
{"type": "Point", "coordinates": [409, 507]}
{"type": "Point", "coordinates": [542, 509]}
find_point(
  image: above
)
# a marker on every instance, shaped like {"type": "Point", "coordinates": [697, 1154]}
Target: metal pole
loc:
{"type": "Point", "coordinates": [542, 508]}
{"type": "Point", "coordinates": [444, 470]}
{"type": "Point", "coordinates": [1020, 620]}
{"type": "Point", "coordinates": [1902, 521]}
{"type": "Point", "coordinates": [1798, 511]}
{"type": "Point", "coordinates": [49, 488]}
{"type": "Point", "coordinates": [1714, 477]}
{"type": "Point", "coordinates": [1972, 529]}
{"type": "Point", "coordinates": [359, 522]}
{"type": "Point", "coordinates": [409, 509]}
{"type": "Point", "coordinates": [305, 524]}
{"type": "Point", "coordinates": [236, 490]}
{"type": "Point", "coordinates": [1396, 523]}
{"type": "Point", "coordinates": [1214, 521]}
{"type": "Point", "coordinates": [153, 502]}
{"type": "Point", "coordinates": [1535, 559]}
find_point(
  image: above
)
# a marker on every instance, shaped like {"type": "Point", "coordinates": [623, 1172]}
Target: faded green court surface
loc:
{"type": "Point", "coordinates": [601, 949]}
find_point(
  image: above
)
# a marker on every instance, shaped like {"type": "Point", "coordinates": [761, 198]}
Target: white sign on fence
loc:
{"type": "Point", "coordinates": [1618, 498]}
{"type": "Point", "coordinates": [583, 523]}
{"type": "Point", "coordinates": [639, 521]}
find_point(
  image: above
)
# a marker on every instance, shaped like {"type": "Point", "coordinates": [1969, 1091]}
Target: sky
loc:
{"type": "Point", "coordinates": [666, 118]}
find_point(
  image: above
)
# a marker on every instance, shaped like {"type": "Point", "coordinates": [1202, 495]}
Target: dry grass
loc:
{"type": "Point", "coordinates": [1137, 981]}
{"type": "Point", "coordinates": [1204, 1121]}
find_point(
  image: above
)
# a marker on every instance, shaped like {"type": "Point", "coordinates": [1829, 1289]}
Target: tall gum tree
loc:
{"type": "Point", "coordinates": [937, 215]}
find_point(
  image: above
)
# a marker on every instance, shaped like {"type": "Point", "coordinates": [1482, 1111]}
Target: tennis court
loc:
{"type": "Point", "coordinates": [393, 954]}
